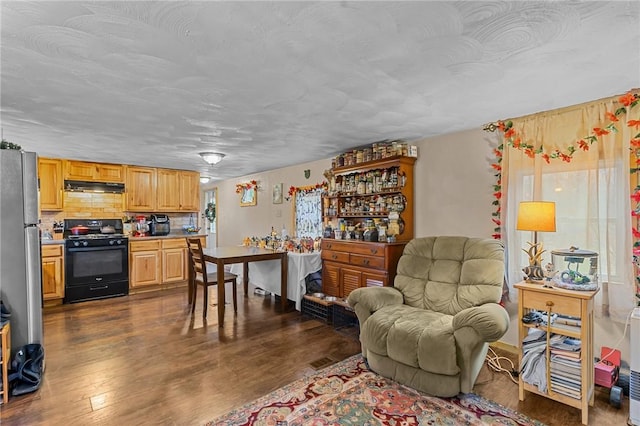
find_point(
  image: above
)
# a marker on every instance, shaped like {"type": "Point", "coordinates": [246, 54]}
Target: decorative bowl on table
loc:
{"type": "Point", "coordinates": [190, 229]}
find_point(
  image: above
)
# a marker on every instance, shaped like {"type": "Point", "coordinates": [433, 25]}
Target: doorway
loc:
{"type": "Point", "coordinates": [210, 217]}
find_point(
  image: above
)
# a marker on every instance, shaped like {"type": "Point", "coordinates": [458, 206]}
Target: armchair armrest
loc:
{"type": "Point", "coordinates": [366, 300]}
{"type": "Point", "coordinates": [490, 321]}
{"type": "Point", "coordinates": [373, 298]}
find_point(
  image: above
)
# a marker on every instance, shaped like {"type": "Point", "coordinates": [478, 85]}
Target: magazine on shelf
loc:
{"type": "Point", "coordinates": [565, 319]}
{"type": "Point", "coordinates": [566, 378]}
{"type": "Point", "coordinates": [567, 327]}
{"type": "Point", "coordinates": [569, 384]}
{"type": "Point", "coordinates": [567, 354]}
{"type": "Point", "coordinates": [570, 362]}
{"type": "Point", "coordinates": [565, 391]}
{"type": "Point", "coordinates": [568, 344]}
{"type": "Point", "coordinates": [568, 369]}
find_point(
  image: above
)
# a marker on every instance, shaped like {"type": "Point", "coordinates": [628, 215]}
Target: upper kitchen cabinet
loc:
{"type": "Point", "coordinates": [99, 172]}
{"type": "Point", "coordinates": [178, 190]}
{"type": "Point", "coordinates": [51, 184]}
{"type": "Point", "coordinates": [168, 190]}
{"type": "Point", "coordinates": [189, 191]}
{"type": "Point", "coordinates": [141, 189]}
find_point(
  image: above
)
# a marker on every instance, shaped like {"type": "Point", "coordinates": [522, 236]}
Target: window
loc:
{"type": "Point", "coordinates": [576, 227]}
{"type": "Point", "coordinates": [308, 213]}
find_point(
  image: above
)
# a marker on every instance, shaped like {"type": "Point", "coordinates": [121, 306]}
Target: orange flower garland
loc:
{"type": "Point", "coordinates": [628, 100]}
{"type": "Point", "coordinates": [248, 185]}
{"type": "Point", "coordinates": [293, 189]}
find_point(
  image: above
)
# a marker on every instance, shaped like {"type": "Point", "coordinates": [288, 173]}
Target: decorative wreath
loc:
{"type": "Point", "coordinates": [210, 212]}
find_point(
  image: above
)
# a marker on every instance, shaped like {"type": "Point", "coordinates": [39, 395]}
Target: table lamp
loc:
{"type": "Point", "coordinates": [536, 216]}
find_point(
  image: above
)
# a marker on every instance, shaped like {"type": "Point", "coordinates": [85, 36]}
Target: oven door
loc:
{"type": "Point", "coordinates": [94, 265]}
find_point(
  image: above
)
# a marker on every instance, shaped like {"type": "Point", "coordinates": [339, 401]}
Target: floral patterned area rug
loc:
{"type": "Point", "coordinates": [348, 393]}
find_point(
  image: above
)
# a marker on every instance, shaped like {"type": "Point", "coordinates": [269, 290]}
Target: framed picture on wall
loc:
{"type": "Point", "coordinates": [277, 193]}
{"type": "Point", "coordinates": [249, 197]}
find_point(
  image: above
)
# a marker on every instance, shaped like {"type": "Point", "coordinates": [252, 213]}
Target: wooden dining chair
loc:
{"type": "Point", "coordinates": [199, 276]}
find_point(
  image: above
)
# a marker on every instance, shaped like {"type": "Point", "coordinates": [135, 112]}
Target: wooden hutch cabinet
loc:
{"type": "Point", "coordinates": [379, 191]}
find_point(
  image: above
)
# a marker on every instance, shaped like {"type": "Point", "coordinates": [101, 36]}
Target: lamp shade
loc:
{"type": "Point", "coordinates": [539, 216]}
{"type": "Point", "coordinates": [212, 157]}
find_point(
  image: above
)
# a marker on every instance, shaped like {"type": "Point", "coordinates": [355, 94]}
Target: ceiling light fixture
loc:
{"type": "Point", "coordinates": [212, 157]}
{"type": "Point", "coordinates": [204, 179]}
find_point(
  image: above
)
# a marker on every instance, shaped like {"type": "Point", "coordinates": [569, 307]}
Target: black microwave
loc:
{"type": "Point", "coordinates": [159, 224]}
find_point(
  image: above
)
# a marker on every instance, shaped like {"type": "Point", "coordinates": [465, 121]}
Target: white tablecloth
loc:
{"type": "Point", "coordinates": [266, 274]}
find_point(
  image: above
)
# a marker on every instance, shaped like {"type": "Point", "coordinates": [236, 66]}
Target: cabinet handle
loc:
{"type": "Point", "coordinates": [365, 262]}
{"type": "Point", "coordinates": [373, 251]}
{"type": "Point", "coordinates": [334, 257]}
{"type": "Point", "coordinates": [328, 245]}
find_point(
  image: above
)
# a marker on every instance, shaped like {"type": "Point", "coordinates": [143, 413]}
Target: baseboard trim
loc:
{"type": "Point", "coordinates": [505, 347]}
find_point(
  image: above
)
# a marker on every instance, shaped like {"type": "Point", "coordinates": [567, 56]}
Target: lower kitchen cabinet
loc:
{"type": "Point", "coordinates": [156, 262]}
{"type": "Point", "coordinates": [145, 260]}
{"type": "Point", "coordinates": [347, 265]}
{"type": "Point", "coordinates": [174, 260]}
{"type": "Point", "coordinates": [52, 274]}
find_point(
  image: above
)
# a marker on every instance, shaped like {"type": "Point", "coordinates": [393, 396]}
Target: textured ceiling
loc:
{"type": "Point", "coordinates": [272, 84]}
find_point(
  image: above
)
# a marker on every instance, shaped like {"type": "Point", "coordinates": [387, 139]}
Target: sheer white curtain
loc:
{"type": "Point", "coordinates": [591, 191]}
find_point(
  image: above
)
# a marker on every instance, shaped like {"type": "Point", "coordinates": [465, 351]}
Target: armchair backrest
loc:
{"type": "Point", "coordinates": [449, 274]}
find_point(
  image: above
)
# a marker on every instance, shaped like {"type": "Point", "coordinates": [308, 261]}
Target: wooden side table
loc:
{"type": "Point", "coordinates": [577, 304]}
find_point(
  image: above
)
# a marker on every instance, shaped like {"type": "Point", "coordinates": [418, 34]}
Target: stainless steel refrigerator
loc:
{"type": "Point", "coordinates": [20, 258]}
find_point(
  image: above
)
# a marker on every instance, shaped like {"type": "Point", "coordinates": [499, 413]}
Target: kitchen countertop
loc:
{"type": "Point", "coordinates": [51, 242]}
{"type": "Point", "coordinates": [162, 237]}
{"type": "Point", "coordinates": [165, 237]}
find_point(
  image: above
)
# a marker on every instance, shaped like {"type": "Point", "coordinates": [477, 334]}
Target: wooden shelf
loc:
{"type": "Point", "coordinates": [374, 165]}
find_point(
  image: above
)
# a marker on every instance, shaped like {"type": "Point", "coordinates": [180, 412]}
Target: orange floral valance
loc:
{"type": "Point", "coordinates": [308, 188]}
{"type": "Point", "coordinates": [512, 138]}
{"type": "Point", "coordinates": [625, 114]}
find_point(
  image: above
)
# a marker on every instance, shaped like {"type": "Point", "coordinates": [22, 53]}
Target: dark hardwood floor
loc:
{"type": "Point", "coordinates": [144, 359]}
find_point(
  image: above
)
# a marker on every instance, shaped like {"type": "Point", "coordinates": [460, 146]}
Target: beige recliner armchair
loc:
{"type": "Point", "coordinates": [431, 331]}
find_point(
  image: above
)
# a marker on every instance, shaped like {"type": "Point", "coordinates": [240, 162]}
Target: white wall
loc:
{"type": "Point", "coordinates": [453, 186]}
{"type": "Point", "coordinates": [453, 195]}
{"type": "Point", "coordinates": [236, 222]}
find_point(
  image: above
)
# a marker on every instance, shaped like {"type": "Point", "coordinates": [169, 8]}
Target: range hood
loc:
{"type": "Point", "coordinates": [85, 186]}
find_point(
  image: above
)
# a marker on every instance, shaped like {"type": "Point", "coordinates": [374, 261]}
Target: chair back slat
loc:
{"type": "Point", "coordinates": [196, 259]}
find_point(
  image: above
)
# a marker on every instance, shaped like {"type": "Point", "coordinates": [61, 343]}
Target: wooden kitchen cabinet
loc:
{"type": "Point", "coordinates": [51, 184]}
{"type": "Point", "coordinates": [168, 190]}
{"type": "Point", "coordinates": [145, 261]}
{"type": "Point", "coordinates": [347, 265]}
{"type": "Point", "coordinates": [88, 171]}
{"type": "Point", "coordinates": [174, 260]}
{"type": "Point", "coordinates": [141, 188]}
{"type": "Point", "coordinates": [189, 191]}
{"type": "Point", "coordinates": [157, 262]}
{"type": "Point", "coordinates": [52, 274]}
{"type": "Point", "coordinates": [579, 306]}
{"type": "Point", "coordinates": [178, 190]}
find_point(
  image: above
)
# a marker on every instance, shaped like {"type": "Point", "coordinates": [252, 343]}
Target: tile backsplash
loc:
{"type": "Point", "coordinates": [86, 205]}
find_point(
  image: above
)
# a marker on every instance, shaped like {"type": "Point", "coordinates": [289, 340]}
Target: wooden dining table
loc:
{"type": "Point", "coordinates": [241, 254]}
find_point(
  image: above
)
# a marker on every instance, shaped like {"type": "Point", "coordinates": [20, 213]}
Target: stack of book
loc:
{"type": "Point", "coordinates": [565, 364]}
{"type": "Point", "coordinates": [566, 322]}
